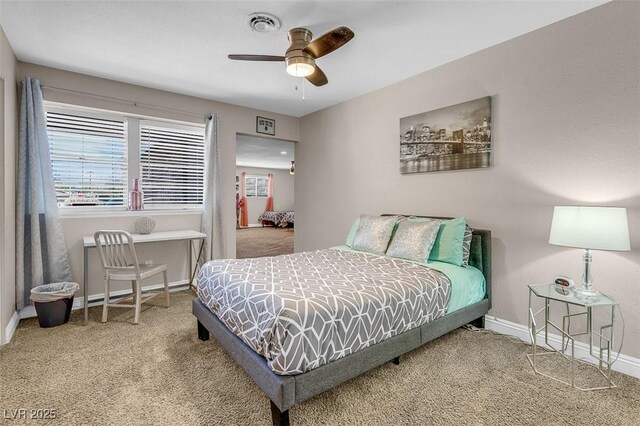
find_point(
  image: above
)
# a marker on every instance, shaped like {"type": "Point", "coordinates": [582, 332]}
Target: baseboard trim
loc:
{"type": "Point", "coordinates": [11, 328]}
{"type": "Point", "coordinates": [98, 299]}
{"type": "Point", "coordinates": [625, 364]}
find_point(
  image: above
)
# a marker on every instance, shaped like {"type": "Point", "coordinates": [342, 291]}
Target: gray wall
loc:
{"type": "Point", "coordinates": [282, 192]}
{"type": "Point", "coordinates": [566, 122]}
{"type": "Point", "coordinates": [8, 136]}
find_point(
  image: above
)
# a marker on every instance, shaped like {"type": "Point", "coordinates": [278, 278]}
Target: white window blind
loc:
{"type": "Point", "coordinates": [257, 186]}
{"type": "Point", "coordinates": [89, 159]}
{"type": "Point", "coordinates": [171, 164]}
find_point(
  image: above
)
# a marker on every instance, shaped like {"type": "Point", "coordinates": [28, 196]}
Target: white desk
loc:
{"type": "Point", "coordinates": [186, 235]}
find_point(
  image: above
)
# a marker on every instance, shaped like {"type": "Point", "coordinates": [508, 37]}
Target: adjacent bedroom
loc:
{"type": "Point", "coordinates": [265, 170]}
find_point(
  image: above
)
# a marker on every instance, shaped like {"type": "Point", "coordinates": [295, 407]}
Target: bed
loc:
{"type": "Point", "coordinates": [277, 219]}
{"type": "Point", "coordinates": [235, 303]}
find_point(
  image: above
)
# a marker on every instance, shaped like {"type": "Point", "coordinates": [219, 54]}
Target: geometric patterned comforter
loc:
{"type": "Point", "coordinates": [287, 218]}
{"type": "Point", "coordinates": [307, 309]}
{"type": "Point", "coordinates": [276, 217]}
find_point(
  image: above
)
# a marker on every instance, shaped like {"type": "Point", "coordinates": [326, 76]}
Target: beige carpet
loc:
{"type": "Point", "coordinates": [159, 373]}
{"type": "Point", "coordinates": [261, 242]}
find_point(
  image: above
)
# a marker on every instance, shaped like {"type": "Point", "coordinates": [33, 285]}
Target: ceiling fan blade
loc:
{"type": "Point", "coordinates": [268, 58]}
{"type": "Point", "coordinates": [329, 42]}
{"type": "Point", "coordinates": [318, 78]}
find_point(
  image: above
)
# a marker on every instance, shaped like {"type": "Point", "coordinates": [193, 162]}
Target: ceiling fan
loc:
{"type": "Point", "coordinates": [300, 57]}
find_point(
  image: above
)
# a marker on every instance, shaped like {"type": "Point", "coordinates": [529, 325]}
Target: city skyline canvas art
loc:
{"type": "Point", "coordinates": [455, 137]}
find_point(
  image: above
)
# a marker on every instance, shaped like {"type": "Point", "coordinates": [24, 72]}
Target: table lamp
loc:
{"type": "Point", "coordinates": [590, 228]}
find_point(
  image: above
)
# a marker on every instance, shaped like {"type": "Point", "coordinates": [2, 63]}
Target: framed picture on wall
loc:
{"type": "Point", "coordinates": [451, 138]}
{"type": "Point", "coordinates": [266, 126]}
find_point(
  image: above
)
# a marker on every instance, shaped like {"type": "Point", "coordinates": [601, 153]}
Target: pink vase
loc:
{"type": "Point", "coordinates": [136, 197]}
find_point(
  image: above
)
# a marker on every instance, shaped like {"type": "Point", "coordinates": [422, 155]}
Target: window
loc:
{"type": "Point", "coordinates": [171, 164]}
{"type": "Point", "coordinates": [89, 159]}
{"type": "Point", "coordinates": [257, 186]}
{"type": "Point", "coordinates": [95, 155]}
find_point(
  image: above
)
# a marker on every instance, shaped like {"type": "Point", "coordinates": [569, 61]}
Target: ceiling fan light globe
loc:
{"type": "Point", "coordinates": [300, 66]}
{"type": "Point", "coordinates": [300, 70]}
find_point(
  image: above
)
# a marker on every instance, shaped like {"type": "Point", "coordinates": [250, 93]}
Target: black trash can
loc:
{"type": "Point", "coordinates": [52, 314]}
{"type": "Point", "coordinates": [53, 303]}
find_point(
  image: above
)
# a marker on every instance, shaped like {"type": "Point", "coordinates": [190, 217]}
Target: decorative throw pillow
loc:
{"type": "Point", "coordinates": [448, 245]}
{"type": "Point", "coordinates": [466, 245]}
{"type": "Point", "coordinates": [373, 233]}
{"type": "Point", "coordinates": [413, 240]}
{"type": "Point", "coordinates": [352, 233]}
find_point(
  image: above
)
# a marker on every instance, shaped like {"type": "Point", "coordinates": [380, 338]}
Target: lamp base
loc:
{"type": "Point", "coordinates": [587, 292]}
{"type": "Point", "coordinates": [587, 289]}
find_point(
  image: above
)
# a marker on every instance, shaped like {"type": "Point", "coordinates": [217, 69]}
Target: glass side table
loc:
{"type": "Point", "coordinates": [603, 344]}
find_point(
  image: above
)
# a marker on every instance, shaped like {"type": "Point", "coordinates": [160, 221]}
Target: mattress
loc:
{"type": "Point", "coordinates": [307, 309]}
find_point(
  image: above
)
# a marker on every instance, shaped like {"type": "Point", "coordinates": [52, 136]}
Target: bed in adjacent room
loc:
{"type": "Point", "coordinates": [279, 219]}
{"type": "Point", "coordinates": [300, 324]}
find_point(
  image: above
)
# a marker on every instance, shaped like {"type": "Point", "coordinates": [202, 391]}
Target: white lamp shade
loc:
{"type": "Point", "coordinates": [597, 228]}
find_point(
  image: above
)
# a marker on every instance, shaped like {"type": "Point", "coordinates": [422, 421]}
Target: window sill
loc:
{"type": "Point", "coordinates": [126, 213]}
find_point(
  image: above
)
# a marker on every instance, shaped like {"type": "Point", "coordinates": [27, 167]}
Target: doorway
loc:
{"type": "Point", "coordinates": [265, 215]}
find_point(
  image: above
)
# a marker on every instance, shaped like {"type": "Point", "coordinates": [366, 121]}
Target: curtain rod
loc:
{"type": "Point", "coordinates": [122, 101]}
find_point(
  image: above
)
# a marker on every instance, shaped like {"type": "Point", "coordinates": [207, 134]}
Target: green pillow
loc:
{"type": "Point", "coordinates": [448, 245]}
{"type": "Point", "coordinates": [352, 232]}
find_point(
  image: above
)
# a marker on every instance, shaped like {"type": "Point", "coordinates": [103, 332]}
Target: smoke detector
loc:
{"type": "Point", "coordinates": [263, 22]}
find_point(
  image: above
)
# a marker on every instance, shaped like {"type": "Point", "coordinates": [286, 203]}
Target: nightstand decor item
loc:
{"type": "Point", "coordinates": [563, 281]}
{"type": "Point", "coordinates": [590, 228]}
{"type": "Point", "coordinates": [144, 225]}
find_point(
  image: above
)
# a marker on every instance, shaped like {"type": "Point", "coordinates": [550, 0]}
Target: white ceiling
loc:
{"type": "Point", "coordinates": [182, 46]}
{"type": "Point", "coordinates": [266, 153]}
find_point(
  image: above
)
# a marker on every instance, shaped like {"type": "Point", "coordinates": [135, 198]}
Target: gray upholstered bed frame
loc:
{"type": "Point", "coordinates": [286, 391]}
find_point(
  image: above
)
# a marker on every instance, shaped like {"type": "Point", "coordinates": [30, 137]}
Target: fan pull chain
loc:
{"type": "Point", "coordinates": [301, 84]}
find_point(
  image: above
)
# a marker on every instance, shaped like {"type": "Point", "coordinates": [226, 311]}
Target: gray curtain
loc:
{"type": "Point", "coordinates": [214, 245]}
{"type": "Point", "coordinates": [41, 254]}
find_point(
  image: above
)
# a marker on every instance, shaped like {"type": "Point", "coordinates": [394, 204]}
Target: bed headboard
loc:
{"type": "Point", "coordinates": [480, 254]}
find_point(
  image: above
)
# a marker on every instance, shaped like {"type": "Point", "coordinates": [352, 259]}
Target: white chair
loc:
{"type": "Point", "coordinates": [120, 263]}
